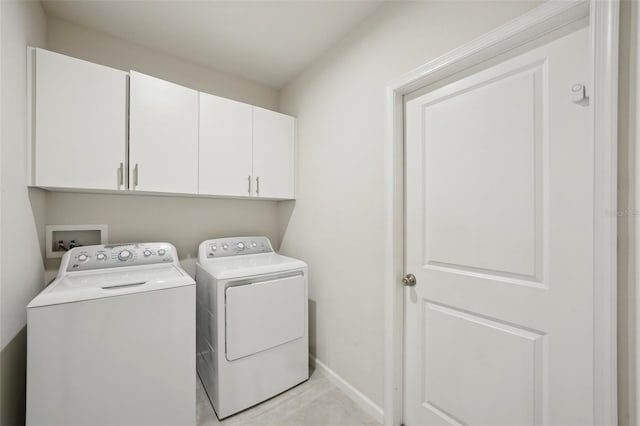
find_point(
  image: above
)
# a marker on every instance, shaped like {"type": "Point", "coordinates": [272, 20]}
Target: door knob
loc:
{"type": "Point", "coordinates": [409, 280]}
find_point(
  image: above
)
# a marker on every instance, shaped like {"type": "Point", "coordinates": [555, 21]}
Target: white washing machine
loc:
{"type": "Point", "coordinates": [252, 337]}
{"type": "Point", "coordinates": [111, 341]}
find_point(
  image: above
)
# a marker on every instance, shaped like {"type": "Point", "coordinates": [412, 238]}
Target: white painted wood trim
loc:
{"type": "Point", "coordinates": [541, 21]}
{"type": "Point", "coordinates": [354, 394]}
{"type": "Point", "coordinates": [1, 186]}
{"type": "Point", "coordinates": [635, 260]}
{"type": "Point", "coordinates": [394, 257]}
{"type": "Point", "coordinates": [605, 32]}
{"type": "Point", "coordinates": [31, 110]}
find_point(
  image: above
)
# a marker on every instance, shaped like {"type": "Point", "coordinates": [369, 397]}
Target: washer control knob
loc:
{"type": "Point", "coordinates": [147, 253]}
{"type": "Point", "coordinates": [214, 247]}
{"type": "Point", "coordinates": [101, 256]}
{"type": "Point", "coordinates": [161, 252]}
{"type": "Point", "coordinates": [240, 246]}
{"type": "Point", "coordinates": [124, 255]}
{"type": "Point", "coordinates": [225, 246]}
{"type": "Point", "coordinates": [254, 244]}
{"type": "Point", "coordinates": [83, 258]}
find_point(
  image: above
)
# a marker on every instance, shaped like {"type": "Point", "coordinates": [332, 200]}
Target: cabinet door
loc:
{"type": "Point", "coordinates": [163, 136]}
{"type": "Point", "coordinates": [225, 147]}
{"type": "Point", "coordinates": [273, 154]}
{"type": "Point", "coordinates": [80, 123]}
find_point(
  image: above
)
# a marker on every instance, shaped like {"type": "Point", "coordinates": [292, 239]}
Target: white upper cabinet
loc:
{"type": "Point", "coordinates": [80, 123]}
{"type": "Point", "coordinates": [273, 154]}
{"type": "Point", "coordinates": [245, 150]}
{"type": "Point", "coordinates": [225, 147]}
{"type": "Point", "coordinates": [98, 128]}
{"type": "Point", "coordinates": [163, 136]}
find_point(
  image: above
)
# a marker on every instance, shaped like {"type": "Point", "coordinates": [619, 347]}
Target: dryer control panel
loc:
{"type": "Point", "coordinates": [86, 258]}
{"type": "Point", "coordinates": [235, 246]}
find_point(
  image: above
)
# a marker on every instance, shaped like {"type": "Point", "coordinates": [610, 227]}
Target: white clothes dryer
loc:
{"type": "Point", "coordinates": [252, 328]}
{"type": "Point", "coordinates": [111, 341]}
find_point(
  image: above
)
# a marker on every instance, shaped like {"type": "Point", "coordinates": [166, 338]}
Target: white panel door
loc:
{"type": "Point", "coordinates": [80, 123]}
{"type": "Point", "coordinates": [163, 136]}
{"type": "Point", "coordinates": [499, 234]}
{"type": "Point", "coordinates": [225, 146]}
{"type": "Point", "coordinates": [273, 154]}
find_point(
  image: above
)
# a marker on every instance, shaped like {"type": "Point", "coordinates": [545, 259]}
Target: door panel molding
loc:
{"type": "Point", "coordinates": [521, 102]}
{"type": "Point", "coordinates": [507, 345]}
{"type": "Point", "coordinates": [528, 30]}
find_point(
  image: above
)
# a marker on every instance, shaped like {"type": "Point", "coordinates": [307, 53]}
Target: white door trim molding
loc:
{"type": "Point", "coordinates": [605, 33]}
{"type": "Point", "coordinates": [603, 16]}
{"type": "Point", "coordinates": [635, 260]}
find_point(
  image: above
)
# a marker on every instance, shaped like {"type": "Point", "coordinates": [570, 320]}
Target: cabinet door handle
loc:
{"type": "Point", "coordinates": [120, 175]}
{"type": "Point", "coordinates": [135, 176]}
{"type": "Point", "coordinates": [249, 184]}
{"type": "Point", "coordinates": [258, 185]}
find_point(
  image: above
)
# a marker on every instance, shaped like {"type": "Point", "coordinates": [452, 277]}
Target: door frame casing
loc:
{"type": "Point", "coordinates": [603, 16]}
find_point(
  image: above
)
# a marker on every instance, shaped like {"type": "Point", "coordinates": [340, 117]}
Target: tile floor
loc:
{"type": "Point", "coordinates": [316, 402]}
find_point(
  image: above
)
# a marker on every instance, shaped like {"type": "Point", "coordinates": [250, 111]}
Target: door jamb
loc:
{"type": "Point", "coordinates": [603, 17]}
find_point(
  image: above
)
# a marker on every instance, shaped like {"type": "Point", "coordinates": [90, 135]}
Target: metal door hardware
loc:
{"type": "Point", "coordinates": [409, 280]}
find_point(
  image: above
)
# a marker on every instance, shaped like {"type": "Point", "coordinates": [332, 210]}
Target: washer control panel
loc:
{"type": "Point", "coordinates": [86, 258]}
{"type": "Point", "coordinates": [236, 246]}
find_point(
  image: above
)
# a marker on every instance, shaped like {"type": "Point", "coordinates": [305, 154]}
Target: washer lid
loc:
{"type": "Point", "coordinates": [256, 264]}
{"type": "Point", "coordinates": [108, 283]}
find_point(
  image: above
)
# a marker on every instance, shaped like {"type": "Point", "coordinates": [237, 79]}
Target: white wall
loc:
{"type": "Point", "coordinates": [336, 223]}
{"type": "Point", "coordinates": [23, 24]}
{"type": "Point", "coordinates": [21, 270]}
{"type": "Point", "coordinates": [185, 222]}
{"type": "Point", "coordinates": [73, 40]}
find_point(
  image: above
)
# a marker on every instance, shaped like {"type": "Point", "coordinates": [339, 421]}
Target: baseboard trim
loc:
{"type": "Point", "coordinates": [354, 394]}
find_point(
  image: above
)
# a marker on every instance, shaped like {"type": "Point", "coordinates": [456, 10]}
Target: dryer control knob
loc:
{"type": "Point", "coordinates": [124, 255]}
{"type": "Point", "coordinates": [240, 246]}
{"type": "Point", "coordinates": [101, 256]}
{"type": "Point", "coordinates": [161, 252]}
{"type": "Point", "coordinates": [147, 253]}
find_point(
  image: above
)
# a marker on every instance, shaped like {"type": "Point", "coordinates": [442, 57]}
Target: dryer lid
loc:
{"type": "Point", "coordinates": [249, 265]}
{"type": "Point", "coordinates": [109, 283]}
